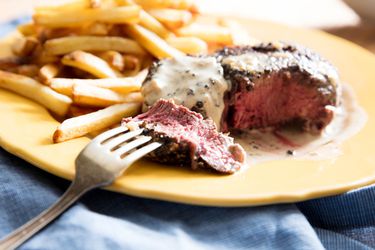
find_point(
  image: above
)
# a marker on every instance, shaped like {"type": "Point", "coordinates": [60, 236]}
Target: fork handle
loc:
{"type": "Point", "coordinates": [23, 233]}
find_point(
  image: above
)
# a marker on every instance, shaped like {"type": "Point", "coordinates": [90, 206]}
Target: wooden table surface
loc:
{"type": "Point", "coordinates": [330, 15]}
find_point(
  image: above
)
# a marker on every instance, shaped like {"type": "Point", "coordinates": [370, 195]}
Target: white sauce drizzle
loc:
{"type": "Point", "coordinates": [188, 81]}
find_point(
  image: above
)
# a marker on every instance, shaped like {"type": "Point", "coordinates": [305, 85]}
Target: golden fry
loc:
{"type": "Point", "coordinates": [90, 96]}
{"type": "Point", "coordinates": [172, 18]}
{"type": "Point", "coordinates": [132, 63]}
{"type": "Point", "coordinates": [70, 6]}
{"type": "Point", "coordinates": [188, 45]}
{"type": "Point", "coordinates": [64, 45]}
{"type": "Point", "coordinates": [89, 63]}
{"type": "Point", "coordinates": [82, 125]}
{"type": "Point", "coordinates": [75, 111]}
{"type": "Point", "coordinates": [95, 29]}
{"type": "Point", "coordinates": [11, 62]}
{"type": "Point", "coordinates": [208, 33]}
{"type": "Point", "coordinates": [152, 42]}
{"type": "Point", "coordinates": [25, 46]}
{"type": "Point", "coordinates": [77, 18]}
{"type": "Point", "coordinates": [113, 58]}
{"type": "Point", "coordinates": [48, 71]}
{"type": "Point", "coordinates": [173, 4]}
{"type": "Point", "coordinates": [120, 85]}
{"type": "Point", "coordinates": [29, 70]}
{"type": "Point", "coordinates": [27, 29]}
{"type": "Point", "coordinates": [124, 2]}
{"type": "Point", "coordinates": [46, 34]}
{"type": "Point", "coordinates": [42, 58]}
{"type": "Point", "coordinates": [152, 24]}
{"type": "Point", "coordinates": [65, 85]}
{"type": "Point", "coordinates": [36, 91]}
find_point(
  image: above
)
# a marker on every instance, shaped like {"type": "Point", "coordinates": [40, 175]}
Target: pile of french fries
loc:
{"type": "Point", "coordinates": [86, 60]}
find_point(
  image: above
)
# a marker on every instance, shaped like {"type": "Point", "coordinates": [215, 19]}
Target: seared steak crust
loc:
{"type": "Point", "coordinates": [171, 152]}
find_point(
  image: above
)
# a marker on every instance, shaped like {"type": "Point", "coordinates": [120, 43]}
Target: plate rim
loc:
{"type": "Point", "coordinates": [228, 202]}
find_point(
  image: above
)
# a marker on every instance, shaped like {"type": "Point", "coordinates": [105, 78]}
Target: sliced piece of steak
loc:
{"type": "Point", "coordinates": [187, 138]}
{"type": "Point", "coordinates": [275, 84]}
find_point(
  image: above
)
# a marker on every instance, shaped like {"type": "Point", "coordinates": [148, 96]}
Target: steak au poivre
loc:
{"type": "Point", "coordinates": [243, 87]}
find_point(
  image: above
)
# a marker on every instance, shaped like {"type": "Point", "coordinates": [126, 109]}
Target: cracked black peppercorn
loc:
{"type": "Point", "coordinates": [199, 104]}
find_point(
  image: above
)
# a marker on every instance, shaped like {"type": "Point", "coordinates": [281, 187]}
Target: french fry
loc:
{"type": "Point", "coordinates": [89, 63]}
{"type": "Point", "coordinates": [90, 29]}
{"type": "Point", "coordinates": [75, 111]}
{"type": "Point", "coordinates": [64, 45]}
{"type": "Point", "coordinates": [124, 2]}
{"type": "Point", "coordinates": [207, 32]}
{"type": "Point", "coordinates": [95, 29]}
{"type": "Point", "coordinates": [173, 4]}
{"type": "Point", "coordinates": [152, 42]}
{"type": "Point", "coordinates": [65, 85]}
{"type": "Point", "coordinates": [77, 18]}
{"type": "Point", "coordinates": [11, 62]}
{"type": "Point", "coordinates": [28, 87]}
{"type": "Point", "coordinates": [25, 46]}
{"type": "Point", "coordinates": [70, 6]}
{"type": "Point", "coordinates": [41, 58]}
{"type": "Point", "coordinates": [152, 24]}
{"type": "Point", "coordinates": [82, 125]}
{"type": "Point", "coordinates": [188, 45]}
{"type": "Point", "coordinates": [148, 21]}
{"type": "Point", "coordinates": [27, 29]}
{"type": "Point", "coordinates": [102, 4]}
{"type": "Point", "coordinates": [120, 85]}
{"type": "Point", "coordinates": [239, 35]}
{"type": "Point", "coordinates": [147, 61]}
{"type": "Point", "coordinates": [45, 34]}
{"type": "Point", "coordinates": [29, 70]}
{"type": "Point", "coordinates": [113, 58]}
{"type": "Point", "coordinates": [48, 71]}
{"type": "Point", "coordinates": [90, 96]}
{"type": "Point", "coordinates": [172, 18]}
{"type": "Point", "coordinates": [132, 63]}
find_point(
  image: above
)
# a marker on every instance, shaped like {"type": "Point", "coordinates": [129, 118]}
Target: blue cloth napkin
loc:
{"type": "Point", "coordinates": [106, 220]}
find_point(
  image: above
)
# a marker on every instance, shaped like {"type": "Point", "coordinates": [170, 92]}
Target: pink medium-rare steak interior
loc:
{"type": "Point", "coordinates": [187, 138]}
{"type": "Point", "coordinates": [278, 100]}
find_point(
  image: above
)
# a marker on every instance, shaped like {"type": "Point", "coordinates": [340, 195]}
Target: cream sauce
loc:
{"type": "Point", "coordinates": [189, 81]}
{"type": "Point", "coordinates": [266, 145]}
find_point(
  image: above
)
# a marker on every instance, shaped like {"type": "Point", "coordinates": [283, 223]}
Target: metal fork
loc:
{"type": "Point", "coordinates": [106, 157]}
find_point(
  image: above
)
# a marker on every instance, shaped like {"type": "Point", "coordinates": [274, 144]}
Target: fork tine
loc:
{"type": "Point", "coordinates": [121, 139]}
{"type": "Point", "coordinates": [108, 134]}
{"type": "Point", "coordinates": [131, 145]}
{"type": "Point", "coordinates": [131, 158]}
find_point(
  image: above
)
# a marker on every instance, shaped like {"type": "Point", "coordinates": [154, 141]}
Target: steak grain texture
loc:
{"type": "Point", "coordinates": [187, 138]}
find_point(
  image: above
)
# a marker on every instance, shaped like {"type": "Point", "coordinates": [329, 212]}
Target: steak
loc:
{"type": "Point", "coordinates": [275, 84]}
{"type": "Point", "coordinates": [242, 87]}
{"type": "Point", "coordinates": [187, 138]}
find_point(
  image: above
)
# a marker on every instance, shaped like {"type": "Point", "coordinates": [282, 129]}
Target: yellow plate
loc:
{"type": "Point", "coordinates": [26, 129]}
